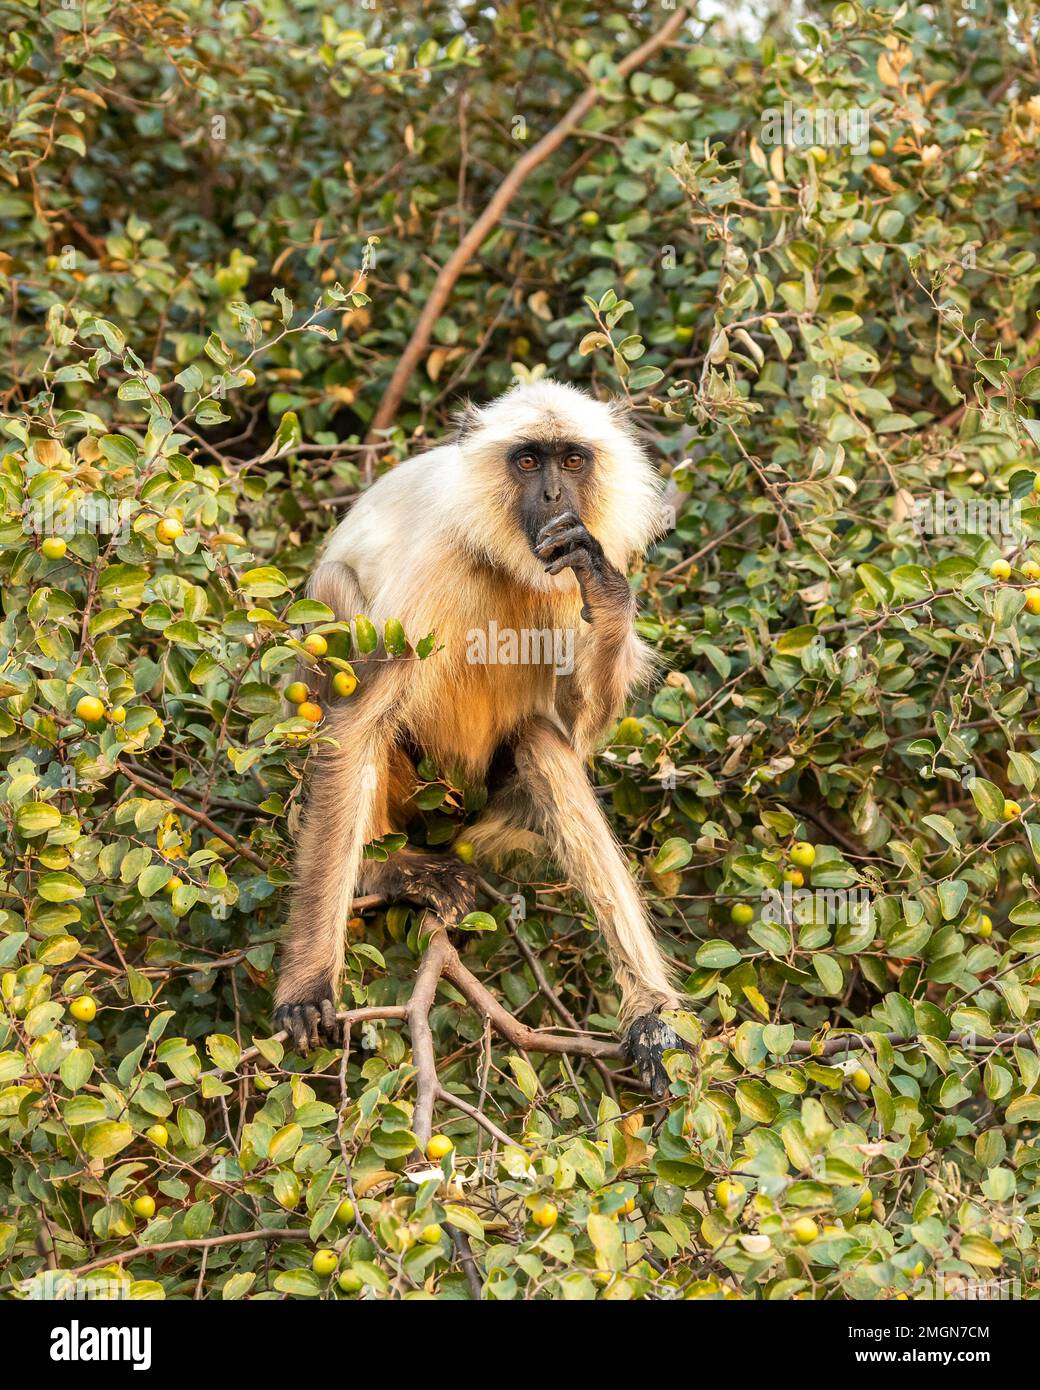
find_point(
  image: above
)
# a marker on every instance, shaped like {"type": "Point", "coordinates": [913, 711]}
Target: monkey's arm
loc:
{"type": "Point", "coordinates": [346, 807]}
{"type": "Point", "coordinates": [609, 657]}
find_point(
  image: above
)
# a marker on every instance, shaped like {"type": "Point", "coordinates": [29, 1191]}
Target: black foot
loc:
{"type": "Point", "coordinates": [310, 1023]}
{"type": "Point", "coordinates": [442, 885]}
{"type": "Point", "coordinates": [647, 1039]}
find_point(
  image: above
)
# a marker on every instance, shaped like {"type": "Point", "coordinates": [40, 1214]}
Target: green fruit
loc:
{"type": "Point", "coordinates": [430, 1235]}
{"type": "Point", "coordinates": [350, 1282]}
{"type": "Point", "coordinates": [53, 548]}
{"type": "Point", "coordinates": [144, 1206]}
{"type": "Point", "coordinates": [159, 1135]}
{"type": "Point", "coordinates": [324, 1263]}
{"type": "Point", "coordinates": [803, 854]}
{"type": "Point", "coordinates": [345, 1212]}
{"type": "Point", "coordinates": [296, 693]}
{"type": "Point", "coordinates": [741, 914]}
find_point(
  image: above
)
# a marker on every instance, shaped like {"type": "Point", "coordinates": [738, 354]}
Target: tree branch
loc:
{"type": "Point", "coordinates": [488, 219]}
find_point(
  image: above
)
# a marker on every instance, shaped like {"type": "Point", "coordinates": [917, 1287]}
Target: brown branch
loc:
{"type": "Point", "coordinates": [193, 813]}
{"type": "Point", "coordinates": [423, 1055]}
{"type": "Point", "coordinates": [847, 1042]}
{"type": "Point", "coordinates": [205, 1243]}
{"type": "Point", "coordinates": [488, 219]}
{"type": "Point", "coordinates": [476, 1115]}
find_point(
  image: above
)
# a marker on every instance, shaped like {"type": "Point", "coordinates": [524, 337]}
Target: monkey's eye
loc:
{"type": "Point", "coordinates": [574, 461]}
{"type": "Point", "coordinates": [527, 462]}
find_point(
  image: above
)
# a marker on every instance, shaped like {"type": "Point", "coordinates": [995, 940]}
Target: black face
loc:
{"type": "Point", "coordinates": [552, 477]}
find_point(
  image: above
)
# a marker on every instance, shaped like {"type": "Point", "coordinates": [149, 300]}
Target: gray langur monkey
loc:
{"type": "Point", "coordinates": [527, 521]}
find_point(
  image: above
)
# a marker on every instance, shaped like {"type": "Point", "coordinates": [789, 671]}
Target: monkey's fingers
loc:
{"type": "Point", "coordinates": [574, 537]}
{"type": "Point", "coordinates": [565, 519]}
{"type": "Point", "coordinates": [573, 560]}
{"type": "Point", "coordinates": [305, 1022]}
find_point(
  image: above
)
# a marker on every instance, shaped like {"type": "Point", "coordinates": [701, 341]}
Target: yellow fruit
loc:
{"type": "Point", "coordinates": [465, 851]}
{"type": "Point", "coordinates": [144, 1206]}
{"type": "Point", "coordinates": [315, 644]}
{"type": "Point", "coordinates": [159, 1135]}
{"type": "Point", "coordinates": [728, 1193]}
{"type": "Point", "coordinates": [248, 376]}
{"type": "Point", "coordinates": [1033, 601]}
{"type": "Point", "coordinates": [860, 1078]}
{"type": "Point", "coordinates": [350, 1282]}
{"type": "Point", "coordinates": [168, 529]}
{"type": "Point", "coordinates": [819, 154]}
{"type": "Point", "coordinates": [1031, 570]}
{"type": "Point", "coordinates": [545, 1215]}
{"type": "Point", "coordinates": [53, 548]}
{"type": "Point", "coordinates": [83, 1008]}
{"type": "Point", "coordinates": [803, 854]}
{"type": "Point", "coordinates": [878, 148]}
{"type": "Point", "coordinates": [296, 693]}
{"type": "Point", "coordinates": [1011, 810]}
{"type": "Point", "coordinates": [902, 1298]}
{"type": "Point", "coordinates": [794, 876]}
{"type": "Point", "coordinates": [741, 914]}
{"type": "Point", "coordinates": [628, 1207]}
{"type": "Point", "coordinates": [345, 1212]}
{"type": "Point", "coordinates": [172, 884]}
{"type": "Point", "coordinates": [589, 218]}
{"type": "Point", "coordinates": [116, 715]}
{"type": "Point", "coordinates": [431, 1234]}
{"type": "Point", "coordinates": [1000, 569]}
{"type": "Point", "coordinates": [90, 709]}
{"type": "Point", "coordinates": [985, 927]}
{"type": "Point", "coordinates": [439, 1147]}
{"type": "Point", "coordinates": [344, 684]}
{"type": "Point", "coordinates": [805, 1230]}
{"type": "Point", "coordinates": [324, 1262]}
{"type": "Point", "coordinates": [308, 710]}
{"type": "Point", "coordinates": [918, 1269]}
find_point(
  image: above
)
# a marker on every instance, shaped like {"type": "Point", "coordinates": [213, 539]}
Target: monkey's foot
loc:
{"type": "Point", "coordinates": [646, 1041]}
{"type": "Point", "coordinates": [309, 1023]}
{"type": "Point", "coordinates": [438, 883]}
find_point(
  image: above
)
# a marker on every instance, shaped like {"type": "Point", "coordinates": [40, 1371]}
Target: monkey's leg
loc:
{"type": "Point", "coordinates": [346, 807]}
{"type": "Point", "coordinates": [582, 843]}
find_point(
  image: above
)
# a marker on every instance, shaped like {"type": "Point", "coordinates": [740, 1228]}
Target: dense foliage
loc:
{"type": "Point", "coordinates": [219, 226]}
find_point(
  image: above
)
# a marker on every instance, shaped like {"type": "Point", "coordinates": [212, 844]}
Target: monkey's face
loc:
{"type": "Point", "coordinates": [551, 477]}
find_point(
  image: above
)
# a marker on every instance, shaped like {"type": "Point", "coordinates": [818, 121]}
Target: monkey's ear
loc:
{"type": "Point", "coordinates": [467, 421]}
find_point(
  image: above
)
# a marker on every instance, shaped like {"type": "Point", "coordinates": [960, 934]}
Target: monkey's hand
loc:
{"type": "Point", "coordinates": [310, 1022]}
{"type": "Point", "coordinates": [646, 1041]}
{"type": "Point", "coordinates": [565, 543]}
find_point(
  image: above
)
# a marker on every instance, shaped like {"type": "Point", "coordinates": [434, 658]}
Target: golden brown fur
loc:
{"type": "Point", "coordinates": [436, 544]}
